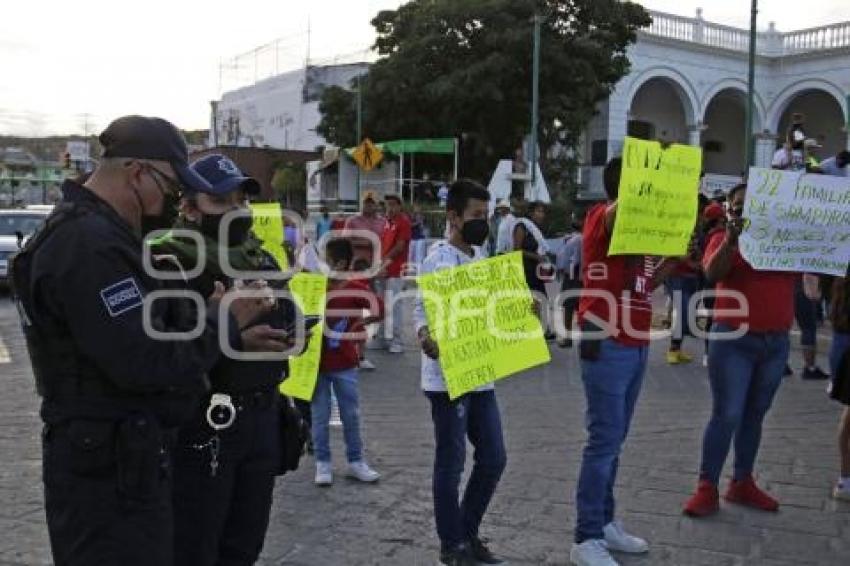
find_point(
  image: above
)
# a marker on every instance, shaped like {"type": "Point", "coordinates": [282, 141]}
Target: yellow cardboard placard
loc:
{"type": "Point", "coordinates": [657, 201]}
{"type": "Point", "coordinates": [267, 225]}
{"type": "Point", "coordinates": [308, 290]}
{"type": "Point", "coordinates": [481, 317]}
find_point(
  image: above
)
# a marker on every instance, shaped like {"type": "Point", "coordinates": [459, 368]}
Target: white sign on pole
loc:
{"type": "Point", "coordinates": [797, 222]}
{"type": "Point", "coordinates": [77, 150]}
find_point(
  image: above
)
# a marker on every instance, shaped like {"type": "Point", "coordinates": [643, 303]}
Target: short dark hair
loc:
{"type": "Point", "coordinates": [735, 189]}
{"type": "Point", "coordinates": [534, 205]}
{"type": "Point", "coordinates": [393, 197]}
{"type": "Point", "coordinates": [462, 191]}
{"type": "Point", "coordinates": [339, 249]}
{"type": "Point", "coordinates": [611, 177]}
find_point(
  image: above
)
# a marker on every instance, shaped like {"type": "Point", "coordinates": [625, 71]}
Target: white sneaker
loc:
{"type": "Point", "coordinates": [362, 472]}
{"type": "Point", "coordinates": [705, 360]}
{"type": "Point", "coordinates": [367, 365]}
{"type": "Point", "coordinates": [619, 540]}
{"type": "Point", "coordinates": [592, 552]}
{"type": "Point", "coordinates": [324, 474]}
{"type": "Point", "coordinates": [396, 349]}
{"type": "Point", "coordinates": [841, 492]}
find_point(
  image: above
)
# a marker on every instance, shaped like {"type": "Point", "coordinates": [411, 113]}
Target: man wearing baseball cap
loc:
{"type": "Point", "coordinates": [112, 394]}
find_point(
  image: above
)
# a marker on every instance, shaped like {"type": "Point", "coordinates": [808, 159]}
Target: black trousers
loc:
{"type": "Point", "coordinates": [107, 489]}
{"type": "Point", "coordinates": [222, 519]}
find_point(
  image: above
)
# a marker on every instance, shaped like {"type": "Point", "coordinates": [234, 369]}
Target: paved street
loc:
{"type": "Point", "coordinates": [532, 515]}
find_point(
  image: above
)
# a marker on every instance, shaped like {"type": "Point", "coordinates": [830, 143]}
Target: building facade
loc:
{"type": "Point", "coordinates": [688, 84]}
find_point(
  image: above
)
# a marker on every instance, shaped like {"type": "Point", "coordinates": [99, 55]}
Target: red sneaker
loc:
{"type": "Point", "coordinates": [746, 492]}
{"type": "Point", "coordinates": [705, 502]}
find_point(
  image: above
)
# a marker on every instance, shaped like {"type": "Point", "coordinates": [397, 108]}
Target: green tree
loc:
{"type": "Point", "coordinates": [287, 181]}
{"type": "Point", "coordinates": [463, 69]}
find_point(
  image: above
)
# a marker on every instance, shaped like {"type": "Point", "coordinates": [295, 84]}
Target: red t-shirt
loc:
{"type": "Point", "coordinates": [769, 294]}
{"type": "Point", "coordinates": [627, 280]}
{"type": "Point", "coordinates": [363, 246]}
{"type": "Point", "coordinates": [398, 229]}
{"type": "Point", "coordinates": [341, 352]}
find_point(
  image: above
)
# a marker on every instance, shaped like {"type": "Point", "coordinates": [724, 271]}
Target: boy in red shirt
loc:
{"type": "Point", "coordinates": [615, 305]}
{"type": "Point", "coordinates": [395, 244]}
{"type": "Point", "coordinates": [338, 368]}
{"type": "Point", "coordinates": [744, 372]}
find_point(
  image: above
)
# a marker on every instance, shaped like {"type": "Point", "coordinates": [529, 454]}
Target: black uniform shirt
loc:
{"type": "Point", "coordinates": [85, 287]}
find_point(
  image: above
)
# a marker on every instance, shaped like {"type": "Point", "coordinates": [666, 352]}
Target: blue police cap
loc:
{"type": "Point", "coordinates": [223, 176]}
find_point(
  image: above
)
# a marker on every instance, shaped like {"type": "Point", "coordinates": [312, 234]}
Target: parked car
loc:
{"type": "Point", "coordinates": [16, 227]}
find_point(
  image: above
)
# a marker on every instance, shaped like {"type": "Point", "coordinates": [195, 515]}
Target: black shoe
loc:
{"type": "Point", "coordinates": [788, 371]}
{"type": "Point", "coordinates": [815, 374]}
{"type": "Point", "coordinates": [565, 343]}
{"type": "Point", "coordinates": [549, 336]}
{"type": "Point", "coordinates": [482, 554]}
{"type": "Point", "coordinates": [460, 556]}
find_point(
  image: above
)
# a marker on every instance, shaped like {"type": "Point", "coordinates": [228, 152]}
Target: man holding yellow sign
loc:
{"type": "Point", "coordinates": [462, 358]}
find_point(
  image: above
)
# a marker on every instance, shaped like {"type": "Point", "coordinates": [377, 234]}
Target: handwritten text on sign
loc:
{"type": "Point", "coordinates": [308, 290]}
{"type": "Point", "coordinates": [797, 222]}
{"type": "Point", "coordinates": [657, 200]}
{"type": "Point", "coordinates": [480, 315]}
{"type": "Point", "coordinates": [267, 225]}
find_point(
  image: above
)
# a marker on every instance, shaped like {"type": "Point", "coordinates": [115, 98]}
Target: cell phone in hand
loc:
{"type": "Point", "coordinates": [309, 322]}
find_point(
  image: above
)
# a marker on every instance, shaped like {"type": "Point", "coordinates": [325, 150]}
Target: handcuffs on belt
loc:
{"type": "Point", "coordinates": [221, 412]}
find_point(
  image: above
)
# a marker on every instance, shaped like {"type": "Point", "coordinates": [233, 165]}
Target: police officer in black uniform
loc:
{"type": "Point", "coordinates": [112, 394]}
{"type": "Point", "coordinates": [227, 456]}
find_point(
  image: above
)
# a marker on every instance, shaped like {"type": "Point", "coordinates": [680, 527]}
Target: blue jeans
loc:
{"type": "Point", "coordinates": [806, 313]}
{"type": "Point", "coordinates": [344, 384]}
{"type": "Point", "coordinates": [744, 374]}
{"type": "Point", "coordinates": [681, 289]}
{"type": "Point", "coordinates": [840, 344]}
{"type": "Point", "coordinates": [611, 387]}
{"type": "Point", "coordinates": [474, 416]}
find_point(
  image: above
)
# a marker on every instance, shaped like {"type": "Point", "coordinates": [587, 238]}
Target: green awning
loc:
{"type": "Point", "coordinates": [426, 145]}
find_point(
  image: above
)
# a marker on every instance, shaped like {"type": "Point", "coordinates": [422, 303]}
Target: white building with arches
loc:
{"type": "Point", "coordinates": [688, 84]}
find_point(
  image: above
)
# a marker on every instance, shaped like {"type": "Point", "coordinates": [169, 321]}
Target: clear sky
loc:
{"type": "Point", "coordinates": [63, 64]}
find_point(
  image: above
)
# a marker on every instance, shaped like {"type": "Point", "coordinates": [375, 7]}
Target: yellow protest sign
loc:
{"type": "Point", "coordinates": [657, 200]}
{"type": "Point", "coordinates": [367, 155]}
{"type": "Point", "coordinates": [267, 225]}
{"type": "Point", "coordinates": [481, 317]}
{"type": "Point", "coordinates": [308, 290]}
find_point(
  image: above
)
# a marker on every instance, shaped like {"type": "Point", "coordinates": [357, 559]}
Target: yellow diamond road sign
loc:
{"type": "Point", "coordinates": [367, 155]}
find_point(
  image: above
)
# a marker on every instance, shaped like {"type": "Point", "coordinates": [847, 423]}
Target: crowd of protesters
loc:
{"type": "Point", "coordinates": [223, 476]}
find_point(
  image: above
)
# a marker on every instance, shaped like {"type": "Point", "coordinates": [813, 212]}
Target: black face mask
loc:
{"type": "Point", "coordinates": [474, 232]}
{"type": "Point", "coordinates": [165, 219]}
{"type": "Point", "coordinates": [237, 230]}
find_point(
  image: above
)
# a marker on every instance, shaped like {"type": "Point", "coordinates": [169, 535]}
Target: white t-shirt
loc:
{"type": "Point", "coordinates": [784, 159]}
{"type": "Point", "coordinates": [442, 255]}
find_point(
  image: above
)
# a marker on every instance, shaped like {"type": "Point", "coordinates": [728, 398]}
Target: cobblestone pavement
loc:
{"type": "Point", "coordinates": [531, 518]}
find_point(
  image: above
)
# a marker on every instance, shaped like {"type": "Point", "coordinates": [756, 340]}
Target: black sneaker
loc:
{"type": "Point", "coordinates": [815, 374]}
{"type": "Point", "coordinates": [788, 371]}
{"type": "Point", "coordinates": [549, 336]}
{"type": "Point", "coordinates": [565, 343]}
{"type": "Point", "coordinates": [460, 556]}
{"type": "Point", "coordinates": [482, 554]}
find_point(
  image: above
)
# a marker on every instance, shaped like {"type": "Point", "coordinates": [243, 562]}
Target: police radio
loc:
{"type": "Point", "coordinates": [221, 413]}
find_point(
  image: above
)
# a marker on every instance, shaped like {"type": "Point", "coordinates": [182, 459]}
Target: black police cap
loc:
{"type": "Point", "coordinates": [144, 137]}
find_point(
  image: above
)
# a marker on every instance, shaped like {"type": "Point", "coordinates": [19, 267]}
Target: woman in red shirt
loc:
{"type": "Point", "coordinates": [746, 359]}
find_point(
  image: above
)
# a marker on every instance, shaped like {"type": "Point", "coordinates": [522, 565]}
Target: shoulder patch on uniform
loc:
{"type": "Point", "coordinates": [121, 297]}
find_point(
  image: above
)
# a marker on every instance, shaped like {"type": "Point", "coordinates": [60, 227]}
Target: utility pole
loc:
{"type": "Point", "coordinates": [359, 126]}
{"type": "Point", "coordinates": [751, 86]}
{"type": "Point", "coordinates": [535, 98]}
